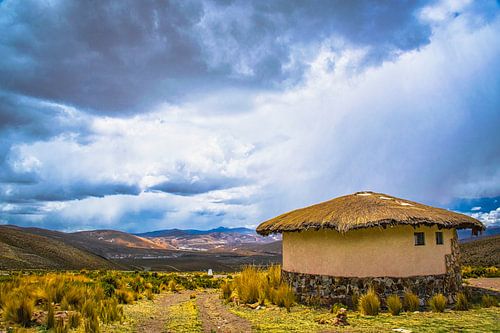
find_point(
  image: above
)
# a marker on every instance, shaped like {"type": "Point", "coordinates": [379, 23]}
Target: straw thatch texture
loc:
{"type": "Point", "coordinates": [365, 210]}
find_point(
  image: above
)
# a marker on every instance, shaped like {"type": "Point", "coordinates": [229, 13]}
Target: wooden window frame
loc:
{"type": "Point", "coordinates": [439, 238]}
{"type": "Point", "coordinates": [416, 236]}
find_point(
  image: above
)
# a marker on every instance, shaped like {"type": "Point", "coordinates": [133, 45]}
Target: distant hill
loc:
{"type": "Point", "coordinates": [20, 249]}
{"type": "Point", "coordinates": [188, 232]}
{"type": "Point", "coordinates": [481, 252]}
{"type": "Point", "coordinates": [119, 238]}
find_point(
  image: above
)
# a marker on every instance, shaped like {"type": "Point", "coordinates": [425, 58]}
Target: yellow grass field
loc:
{"type": "Point", "coordinates": [251, 301]}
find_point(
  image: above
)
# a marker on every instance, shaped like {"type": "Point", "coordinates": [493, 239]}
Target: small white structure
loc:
{"type": "Point", "coordinates": [210, 272]}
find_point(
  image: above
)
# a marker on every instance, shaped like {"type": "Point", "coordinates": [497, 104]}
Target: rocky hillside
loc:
{"type": "Point", "coordinates": [20, 249]}
{"type": "Point", "coordinates": [481, 252]}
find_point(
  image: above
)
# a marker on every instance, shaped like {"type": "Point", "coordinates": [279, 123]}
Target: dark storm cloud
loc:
{"type": "Point", "coordinates": [124, 56]}
{"type": "Point", "coordinates": [26, 120]}
{"type": "Point", "coordinates": [203, 184]}
{"type": "Point", "coordinates": [77, 189]}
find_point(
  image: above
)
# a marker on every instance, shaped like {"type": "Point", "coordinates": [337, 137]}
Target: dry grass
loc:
{"type": "Point", "coordinates": [462, 303]}
{"type": "Point", "coordinates": [410, 301]}
{"type": "Point", "coordinates": [254, 285]}
{"type": "Point", "coordinates": [488, 301]}
{"type": "Point", "coordinates": [172, 286]}
{"type": "Point", "coordinates": [369, 303]}
{"type": "Point", "coordinates": [92, 298]}
{"type": "Point", "coordinates": [364, 210]}
{"type": "Point", "coordinates": [394, 305]}
{"type": "Point", "coordinates": [18, 309]}
{"type": "Point", "coordinates": [438, 303]}
{"type": "Point", "coordinates": [248, 284]}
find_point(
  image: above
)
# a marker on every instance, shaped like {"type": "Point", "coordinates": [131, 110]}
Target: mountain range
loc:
{"type": "Point", "coordinates": [220, 248]}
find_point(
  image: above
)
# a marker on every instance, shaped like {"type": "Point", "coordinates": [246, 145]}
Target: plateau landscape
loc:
{"type": "Point", "coordinates": [249, 166]}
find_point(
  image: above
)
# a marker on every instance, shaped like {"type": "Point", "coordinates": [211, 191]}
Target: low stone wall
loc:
{"type": "Point", "coordinates": [475, 293]}
{"type": "Point", "coordinates": [328, 290]}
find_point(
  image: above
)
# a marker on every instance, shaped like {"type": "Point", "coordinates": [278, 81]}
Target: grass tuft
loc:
{"type": "Point", "coordinates": [74, 320]}
{"type": "Point", "coordinates": [51, 320]}
{"type": "Point", "coordinates": [488, 301]}
{"type": "Point", "coordinates": [19, 309]}
{"type": "Point", "coordinates": [226, 290]}
{"type": "Point", "coordinates": [462, 303]}
{"type": "Point", "coordinates": [172, 286]}
{"type": "Point", "coordinates": [369, 303]}
{"type": "Point", "coordinates": [438, 303]}
{"type": "Point", "coordinates": [248, 284]}
{"type": "Point", "coordinates": [394, 305]}
{"type": "Point", "coordinates": [411, 302]}
{"type": "Point", "coordinates": [284, 297]}
{"type": "Point", "coordinates": [124, 296]}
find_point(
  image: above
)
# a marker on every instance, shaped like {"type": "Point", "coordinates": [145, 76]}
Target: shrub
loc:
{"type": "Point", "coordinates": [462, 304]}
{"type": "Point", "coordinates": [149, 294]}
{"type": "Point", "coordinates": [488, 301]}
{"type": "Point", "coordinates": [247, 285]}
{"type": "Point", "coordinates": [274, 276]}
{"type": "Point", "coordinates": [410, 302]}
{"type": "Point", "coordinates": [89, 311]}
{"type": "Point", "coordinates": [3, 293]}
{"type": "Point", "coordinates": [55, 290]}
{"type": "Point", "coordinates": [19, 310]}
{"type": "Point", "coordinates": [51, 320]}
{"type": "Point", "coordinates": [369, 303]}
{"type": "Point", "coordinates": [394, 305]}
{"type": "Point", "coordinates": [74, 320]}
{"type": "Point", "coordinates": [226, 290]}
{"type": "Point", "coordinates": [92, 325]}
{"type": "Point", "coordinates": [284, 296]}
{"type": "Point", "coordinates": [60, 326]}
{"type": "Point", "coordinates": [109, 289]}
{"type": "Point", "coordinates": [480, 271]}
{"type": "Point", "coordinates": [138, 285]}
{"type": "Point", "coordinates": [74, 296]}
{"type": "Point", "coordinates": [336, 307]}
{"type": "Point", "coordinates": [110, 311]}
{"type": "Point", "coordinates": [438, 303]}
{"type": "Point", "coordinates": [172, 286]}
{"type": "Point", "coordinates": [124, 296]}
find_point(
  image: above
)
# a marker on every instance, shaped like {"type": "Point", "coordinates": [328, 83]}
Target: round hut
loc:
{"type": "Point", "coordinates": [338, 249]}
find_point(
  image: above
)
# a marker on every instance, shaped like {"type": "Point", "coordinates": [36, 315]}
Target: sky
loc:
{"type": "Point", "coordinates": [148, 115]}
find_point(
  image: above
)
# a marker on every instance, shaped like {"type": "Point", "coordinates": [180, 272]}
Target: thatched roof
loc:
{"type": "Point", "coordinates": [365, 210]}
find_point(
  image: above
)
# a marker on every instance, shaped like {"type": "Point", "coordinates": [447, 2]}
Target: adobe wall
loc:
{"type": "Point", "coordinates": [371, 252]}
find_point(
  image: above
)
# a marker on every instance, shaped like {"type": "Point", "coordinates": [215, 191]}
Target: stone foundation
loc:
{"type": "Point", "coordinates": [328, 290]}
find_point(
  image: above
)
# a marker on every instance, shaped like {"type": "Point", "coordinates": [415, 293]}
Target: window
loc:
{"type": "Point", "coordinates": [419, 238]}
{"type": "Point", "coordinates": [439, 238]}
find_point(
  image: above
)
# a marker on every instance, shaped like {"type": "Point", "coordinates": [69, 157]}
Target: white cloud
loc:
{"type": "Point", "coordinates": [490, 218]}
{"type": "Point", "coordinates": [415, 127]}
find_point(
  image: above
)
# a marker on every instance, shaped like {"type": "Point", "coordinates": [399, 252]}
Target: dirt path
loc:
{"type": "Point", "coordinates": [156, 322]}
{"type": "Point", "coordinates": [215, 317]}
{"type": "Point", "coordinates": [488, 283]}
